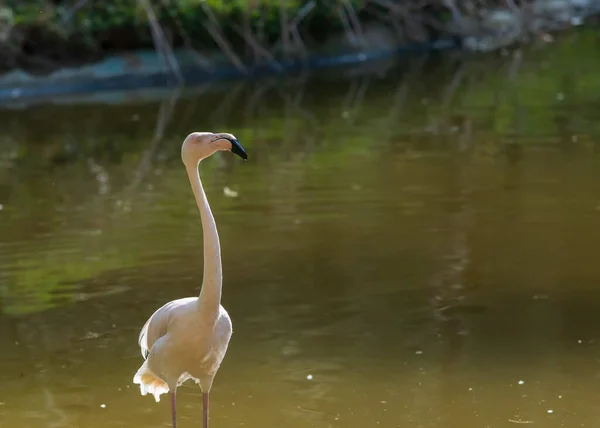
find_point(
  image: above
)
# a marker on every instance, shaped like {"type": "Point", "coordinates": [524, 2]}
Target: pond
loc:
{"type": "Point", "coordinates": [410, 245]}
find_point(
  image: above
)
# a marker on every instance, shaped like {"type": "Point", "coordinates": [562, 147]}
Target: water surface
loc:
{"type": "Point", "coordinates": [416, 248]}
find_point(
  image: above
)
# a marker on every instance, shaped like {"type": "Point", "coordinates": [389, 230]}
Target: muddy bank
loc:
{"type": "Point", "coordinates": [150, 69]}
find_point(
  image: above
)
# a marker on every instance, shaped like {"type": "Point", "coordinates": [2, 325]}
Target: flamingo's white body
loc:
{"type": "Point", "coordinates": [188, 338]}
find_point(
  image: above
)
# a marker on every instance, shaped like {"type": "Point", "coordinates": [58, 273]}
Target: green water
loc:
{"type": "Point", "coordinates": [416, 248]}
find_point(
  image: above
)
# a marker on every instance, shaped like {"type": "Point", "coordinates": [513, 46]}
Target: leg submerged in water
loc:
{"type": "Point", "coordinates": [173, 410]}
{"type": "Point", "coordinates": [205, 410]}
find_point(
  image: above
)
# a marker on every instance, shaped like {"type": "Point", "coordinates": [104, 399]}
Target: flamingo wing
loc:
{"type": "Point", "coordinates": [158, 324]}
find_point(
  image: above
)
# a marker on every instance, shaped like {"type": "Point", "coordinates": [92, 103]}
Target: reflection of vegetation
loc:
{"type": "Point", "coordinates": [46, 278]}
{"type": "Point", "coordinates": [539, 83]}
{"type": "Point", "coordinates": [311, 124]}
{"type": "Point", "coordinates": [533, 89]}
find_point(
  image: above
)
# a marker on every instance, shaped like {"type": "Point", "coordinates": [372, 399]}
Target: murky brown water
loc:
{"type": "Point", "coordinates": [402, 252]}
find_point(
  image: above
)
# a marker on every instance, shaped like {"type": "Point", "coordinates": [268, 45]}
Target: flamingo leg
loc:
{"type": "Point", "coordinates": [173, 410]}
{"type": "Point", "coordinates": [205, 410]}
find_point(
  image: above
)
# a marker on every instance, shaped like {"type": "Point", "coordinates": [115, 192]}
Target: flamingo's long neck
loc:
{"type": "Point", "coordinates": [210, 295]}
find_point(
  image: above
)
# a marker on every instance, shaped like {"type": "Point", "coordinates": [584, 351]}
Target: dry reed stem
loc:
{"type": "Point", "coordinates": [294, 30]}
{"type": "Point", "coordinates": [285, 34]}
{"type": "Point", "coordinates": [259, 51]}
{"type": "Point", "coordinates": [160, 42]}
{"type": "Point", "coordinates": [214, 28]}
{"type": "Point", "coordinates": [355, 22]}
{"type": "Point", "coordinates": [199, 59]}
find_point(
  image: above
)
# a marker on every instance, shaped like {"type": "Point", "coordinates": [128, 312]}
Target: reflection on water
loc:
{"type": "Point", "coordinates": [415, 249]}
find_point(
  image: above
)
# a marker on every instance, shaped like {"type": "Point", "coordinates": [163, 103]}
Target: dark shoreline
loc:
{"type": "Point", "coordinates": [48, 87]}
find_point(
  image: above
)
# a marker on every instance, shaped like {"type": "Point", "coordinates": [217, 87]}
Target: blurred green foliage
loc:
{"type": "Point", "coordinates": [187, 17]}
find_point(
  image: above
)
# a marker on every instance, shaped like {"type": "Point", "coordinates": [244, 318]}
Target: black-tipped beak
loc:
{"type": "Point", "coordinates": [237, 148]}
